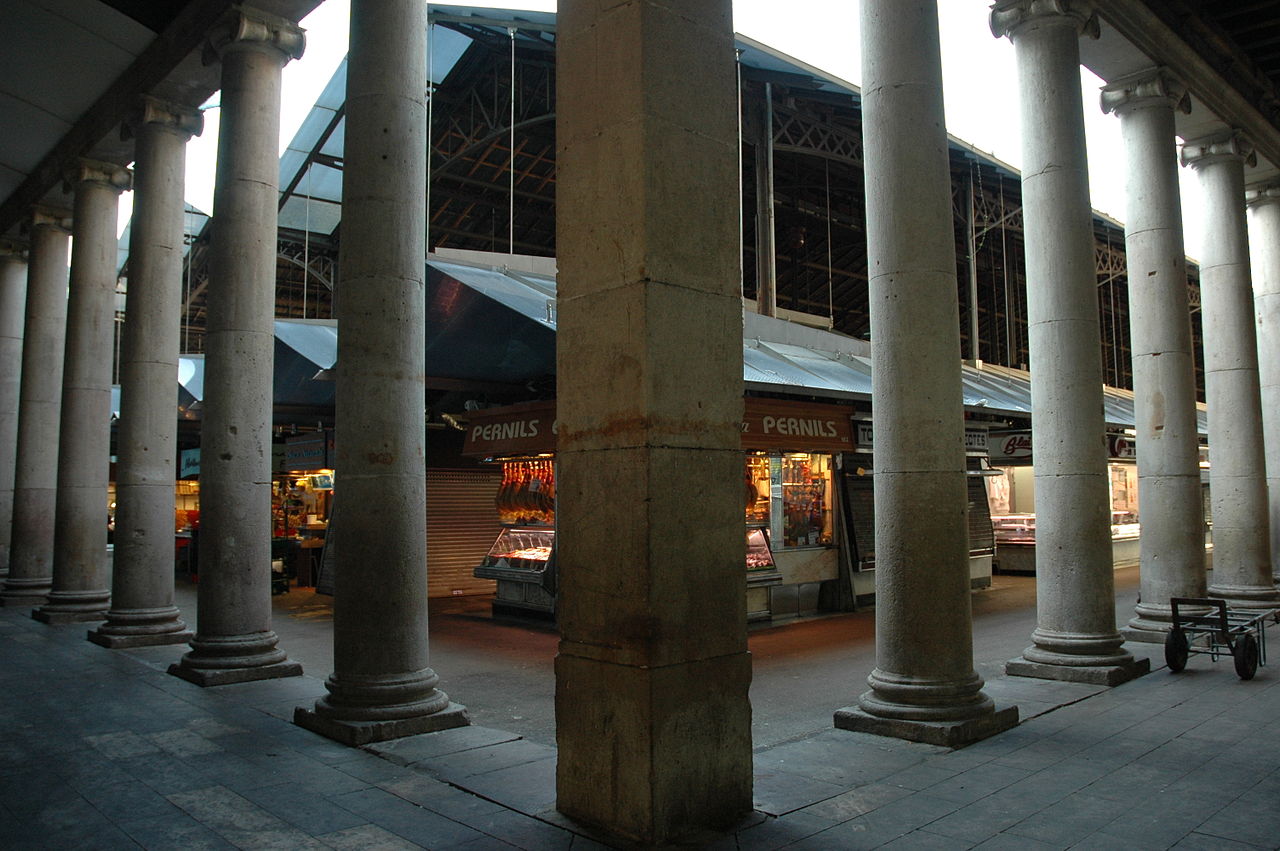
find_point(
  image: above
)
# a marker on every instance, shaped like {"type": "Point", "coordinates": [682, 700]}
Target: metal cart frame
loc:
{"type": "Point", "coordinates": [1211, 629]}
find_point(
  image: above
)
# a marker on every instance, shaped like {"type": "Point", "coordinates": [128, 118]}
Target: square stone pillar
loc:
{"type": "Point", "coordinates": [653, 719]}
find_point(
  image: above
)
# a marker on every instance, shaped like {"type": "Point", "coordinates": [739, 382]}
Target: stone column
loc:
{"type": "Point", "coordinates": [234, 641]}
{"type": "Point", "coordinates": [924, 687]}
{"type": "Point", "coordinates": [35, 476]}
{"type": "Point", "coordinates": [1076, 636]}
{"type": "Point", "coordinates": [1237, 461]}
{"type": "Point", "coordinates": [1264, 241]}
{"type": "Point", "coordinates": [80, 591]}
{"type": "Point", "coordinates": [382, 685]}
{"type": "Point", "coordinates": [13, 299]}
{"type": "Point", "coordinates": [1172, 544]}
{"type": "Point", "coordinates": [653, 719]}
{"type": "Point", "coordinates": [142, 610]}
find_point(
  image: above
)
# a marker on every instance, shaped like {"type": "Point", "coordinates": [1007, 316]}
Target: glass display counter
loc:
{"type": "Point", "coordinates": [522, 561]}
{"type": "Point", "coordinates": [1016, 541]}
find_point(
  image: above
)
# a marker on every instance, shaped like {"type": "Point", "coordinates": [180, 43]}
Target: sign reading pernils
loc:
{"type": "Point", "coordinates": [796, 426]}
{"type": "Point", "coordinates": [528, 429]}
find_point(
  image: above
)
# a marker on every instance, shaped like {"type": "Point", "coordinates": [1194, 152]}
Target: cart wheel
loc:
{"type": "Point", "coordinates": [1176, 650]}
{"type": "Point", "coordinates": [1246, 656]}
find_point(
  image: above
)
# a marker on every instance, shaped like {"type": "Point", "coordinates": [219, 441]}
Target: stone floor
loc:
{"type": "Point", "coordinates": [101, 749]}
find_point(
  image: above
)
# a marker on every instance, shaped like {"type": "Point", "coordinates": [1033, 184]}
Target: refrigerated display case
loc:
{"type": "Point", "coordinates": [522, 560]}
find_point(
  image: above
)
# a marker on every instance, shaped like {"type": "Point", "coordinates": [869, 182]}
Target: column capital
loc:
{"type": "Point", "coordinates": [1227, 145]}
{"type": "Point", "coordinates": [13, 248]}
{"type": "Point", "coordinates": [1009, 16]}
{"type": "Point", "coordinates": [58, 218]}
{"type": "Point", "coordinates": [1262, 194]}
{"type": "Point", "coordinates": [182, 120]}
{"type": "Point", "coordinates": [1154, 87]}
{"type": "Point", "coordinates": [246, 28]}
{"type": "Point", "coordinates": [114, 177]}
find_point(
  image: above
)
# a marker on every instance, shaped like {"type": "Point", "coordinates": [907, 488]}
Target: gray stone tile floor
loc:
{"type": "Point", "coordinates": [102, 749]}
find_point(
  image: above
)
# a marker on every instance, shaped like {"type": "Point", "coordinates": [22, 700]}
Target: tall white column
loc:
{"type": "Point", "coordinates": [79, 591]}
{"type": "Point", "coordinates": [924, 686]}
{"type": "Point", "coordinates": [142, 610]}
{"type": "Point", "coordinates": [234, 641]}
{"type": "Point", "coordinates": [1264, 242]}
{"type": "Point", "coordinates": [382, 685]}
{"type": "Point", "coordinates": [35, 477]}
{"type": "Point", "coordinates": [1172, 544]}
{"type": "Point", "coordinates": [653, 720]}
{"type": "Point", "coordinates": [1237, 461]}
{"type": "Point", "coordinates": [1076, 636]}
{"type": "Point", "coordinates": [13, 300]}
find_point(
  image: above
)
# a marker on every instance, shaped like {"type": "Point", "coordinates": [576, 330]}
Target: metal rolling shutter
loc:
{"type": "Point", "coordinates": [461, 526]}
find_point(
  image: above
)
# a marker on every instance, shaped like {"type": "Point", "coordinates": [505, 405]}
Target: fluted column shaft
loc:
{"type": "Point", "coordinates": [234, 640]}
{"type": "Point", "coordinates": [39, 403]}
{"type": "Point", "coordinates": [1172, 543]}
{"type": "Point", "coordinates": [382, 685]}
{"type": "Point", "coordinates": [13, 299]}
{"type": "Point", "coordinates": [1237, 461]}
{"type": "Point", "coordinates": [924, 646]}
{"type": "Point", "coordinates": [79, 591]}
{"type": "Point", "coordinates": [1075, 609]}
{"type": "Point", "coordinates": [142, 610]}
{"type": "Point", "coordinates": [1264, 241]}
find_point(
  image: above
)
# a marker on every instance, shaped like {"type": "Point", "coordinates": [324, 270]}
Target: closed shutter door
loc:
{"type": "Point", "coordinates": [462, 524]}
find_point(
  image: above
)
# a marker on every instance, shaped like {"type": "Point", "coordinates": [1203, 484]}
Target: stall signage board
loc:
{"type": "Point", "coordinates": [976, 441]}
{"type": "Point", "coordinates": [516, 430]}
{"type": "Point", "coordinates": [306, 452]}
{"type": "Point", "coordinates": [189, 463]}
{"type": "Point", "coordinates": [1011, 446]}
{"type": "Point", "coordinates": [1121, 446]}
{"type": "Point", "coordinates": [796, 426]}
{"type": "Point", "coordinates": [768, 424]}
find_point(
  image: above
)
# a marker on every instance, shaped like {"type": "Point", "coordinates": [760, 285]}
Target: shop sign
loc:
{"type": "Point", "coordinates": [1121, 446]}
{"type": "Point", "coordinates": [516, 430]}
{"type": "Point", "coordinates": [277, 457]}
{"type": "Point", "coordinates": [306, 452]}
{"type": "Point", "coordinates": [189, 463]}
{"type": "Point", "coordinates": [975, 439]}
{"type": "Point", "coordinates": [1011, 445]}
{"type": "Point", "coordinates": [796, 426]}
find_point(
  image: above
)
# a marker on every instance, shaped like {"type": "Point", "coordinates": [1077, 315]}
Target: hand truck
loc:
{"type": "Point", "coordinates": [1217, 631]}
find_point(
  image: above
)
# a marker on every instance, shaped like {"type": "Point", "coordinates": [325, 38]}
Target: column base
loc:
{"type": "Point", "coordinates": [357, 733]}
{"type": "Point", "coordinates": [74, 607]}
{"type": "Point", "coordinates": [26, 592]}
{"type": "Point", "coordinates": [225, 659]}
{"type": "Point", "coordinates": [1247, 596]}
{"type": "Point", "coordinates": [123, 642]}
{"type": "Point", "coordinates": [57, 617]}
{"type": "Point", "coordinates": [947, 734]}
{"type": "Point", "coordinates": [205, 677]}
{"type": "Point", "coordinates": [1152, 634]}
{"type": "Point", "coordinates": [1099, 675]}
